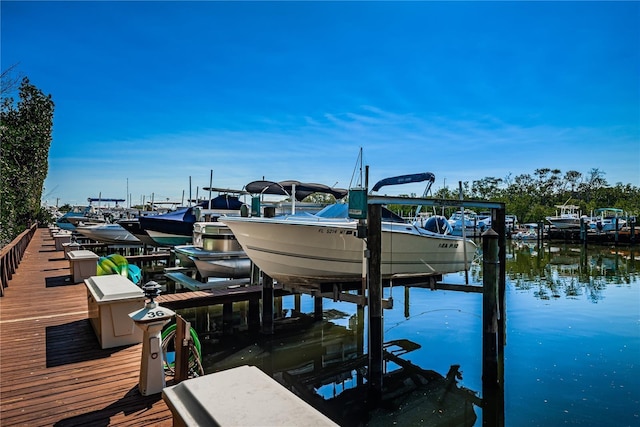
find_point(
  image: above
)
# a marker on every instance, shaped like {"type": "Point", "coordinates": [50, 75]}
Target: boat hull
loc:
{"type": "Point", "coordinates": [108, 233]}
{"type": "Point", "coordinates": [133, 226]}
{"type": "Point", "coordinates": [232, 268]}
{"type": "Point", "coordinates": [564, 223]}
{"type": "Point", "coordinates": [320, 252]}
{"type": "Point", "coordinates": [168, 239]}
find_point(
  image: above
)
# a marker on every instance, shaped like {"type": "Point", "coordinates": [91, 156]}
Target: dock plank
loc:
{"type": "Point", "coordinates": [52, 370]}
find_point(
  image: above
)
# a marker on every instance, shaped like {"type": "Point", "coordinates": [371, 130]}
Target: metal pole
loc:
{"type": "Point", "coordinates": [464, 235]}
{"type": "Point", "coordinates": [210, 185]}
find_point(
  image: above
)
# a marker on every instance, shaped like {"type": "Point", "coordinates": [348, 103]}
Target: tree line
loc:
{"type": "Point", "coordinates": [25, 137]}
{"type": "Point", "coordinates": [532, 197]}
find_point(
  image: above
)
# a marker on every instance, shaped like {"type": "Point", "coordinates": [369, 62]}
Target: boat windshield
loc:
{"type": "Point", "coordinates": [341, 210]}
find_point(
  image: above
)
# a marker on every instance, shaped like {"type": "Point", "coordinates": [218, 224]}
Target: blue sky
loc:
{"type": "Point", "coordinates": [148, 94]}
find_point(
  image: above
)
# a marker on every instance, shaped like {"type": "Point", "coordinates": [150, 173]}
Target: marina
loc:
{"type": "Point", "coordinates": [68, 382]}
{"type": "Point", "coordinates": [297, 292]}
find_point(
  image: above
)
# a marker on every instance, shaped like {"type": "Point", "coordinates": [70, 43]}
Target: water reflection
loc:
{"type": "Point", "coordinates": [326, 364]}
{"type": "Point", "coordinates": [556, 270]}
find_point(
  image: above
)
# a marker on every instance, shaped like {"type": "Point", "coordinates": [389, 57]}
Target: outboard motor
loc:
{"type": "Point", "coordinates": [438, 224]}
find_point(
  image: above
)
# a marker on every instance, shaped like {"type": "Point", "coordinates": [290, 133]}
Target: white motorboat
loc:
{"type": "Point", "coordinates": [608, 219]}
{"type": "Point", "coordinates": [319, 248]}
{"type": "Point", "coordinates": [108, 233]}
{"type": "Point", "coordinates": [567, 218]}
{"type": "Point", "coordinates": [471, 221]}
{"type": "Point", "coordinates": [526, 232]}
{"type": "Point", "coordinates": [215, 252]}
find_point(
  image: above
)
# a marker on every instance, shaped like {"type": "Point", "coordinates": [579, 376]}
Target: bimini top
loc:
{"type": "Point", "coordinates": [406, 179]}
{"type": "Point", "coordinates": [285, 188]}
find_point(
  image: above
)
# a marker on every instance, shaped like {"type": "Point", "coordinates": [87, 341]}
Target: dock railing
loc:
{"type": "Point", "coordinates": [11, 255]}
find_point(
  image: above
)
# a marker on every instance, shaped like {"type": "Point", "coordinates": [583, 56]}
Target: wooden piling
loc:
{"type": "Point", "coordinates": [490, 307]}
{"type": "Point", "coordinates": [406, 301]}
{"type": "Point", "coordinates": [374, 279]}
{"type": "Point", "coordinates": [267, 304]}
{"type": "Point", "coordinates": [492, 413]}
{"type": "Point", "coordinates": [182, 338]}
{"type": "Point", "coordinates": [499, 227]}
{"type": "Point", "coordinates": [227, 318]}
{"type": "Point", "coordinates": [317, 308]}
{"type": "Point", "coordinates": [253, 319]}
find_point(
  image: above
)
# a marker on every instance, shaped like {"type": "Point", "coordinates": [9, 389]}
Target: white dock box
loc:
{"type": "Point", "coordinates": [72, 246]}
{"type": "Point", "coordinates": [111, 298]}
{"type": "Point", "coordinates": [61, 238]}
{"type": "Point", "coordinates": [83, 264]}
{"type": "Point", "coordinates": [222, 399]}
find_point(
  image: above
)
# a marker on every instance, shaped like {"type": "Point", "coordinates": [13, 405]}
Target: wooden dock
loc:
{"type": "Point", "coordinates": [52, 370]}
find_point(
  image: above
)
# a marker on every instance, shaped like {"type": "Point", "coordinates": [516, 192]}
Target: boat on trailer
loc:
{"type": "Point", "coordinates": [311, 249]}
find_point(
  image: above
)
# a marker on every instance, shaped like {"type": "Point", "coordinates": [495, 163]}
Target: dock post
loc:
{"type": "Point", "coordinates": [227, 318]}
{"type": "Point", "coordinates": [374, 280]}
{"type": "Point", "coordinates": [267, 304]}
{"type": "Point", "coordinates": [255, 275]}
{"type": "Point", "coordinates": [183, 335]}
{"type": "Point", "coordinates": [491, 384]}
{"type": "Point", "coordinates": [297, 302]}
{"type": "Point", "coordinates": [406, 302]}
{"type": "Point", "coordinates": [254, 314]}
{"type": "Point", "coordinates": [317, 307]}
{"type": "Point", "coordinates": [583, 232]}
{"type": "Point", "coordinates": [500, 228]}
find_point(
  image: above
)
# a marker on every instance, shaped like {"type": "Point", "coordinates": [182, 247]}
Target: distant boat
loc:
{"type": "Point", "coordinates": [65, 222]}
{"type": "Point", "coordinates": [471, 221]}
{"type": "Point", "coordinates": [567, 218]}
{"type": "Point", "coordinates": [132, 225]}
{"type": "Point", "coordinates": [608, 219]}
{"type": "Point", "coordinates": [310, 249]}
{"type": "Point", "coordinates": [108, 233]}
{"type": "Point", "coordinates": [176, 228]}
{"type": "Point", "coordinates": [525, 232]}
{"type": "Point", "coordinates": [87, 219]}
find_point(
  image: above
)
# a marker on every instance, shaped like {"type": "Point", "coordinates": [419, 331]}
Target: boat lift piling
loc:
{"type": "Point", "coordinates": [493, 308]}
{"type": "Point", "coordinates": [267, 305]}
{"type": "Point", "coordinates": [374, 282]}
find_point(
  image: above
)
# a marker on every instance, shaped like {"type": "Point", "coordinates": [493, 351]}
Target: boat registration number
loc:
{"type": "Point", "coordinates": [448, 245]}
{"type": "Point", "coordinates": [335, 231]}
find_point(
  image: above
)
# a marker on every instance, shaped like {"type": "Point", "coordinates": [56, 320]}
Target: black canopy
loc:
{"type": "Point", "coordinates": [285, 188]}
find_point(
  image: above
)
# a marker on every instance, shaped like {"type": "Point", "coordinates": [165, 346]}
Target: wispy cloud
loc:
{"type": "Point", "coordinates": [324, 149]}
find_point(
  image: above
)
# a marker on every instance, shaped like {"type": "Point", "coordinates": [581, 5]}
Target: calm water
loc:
{"type": "Point", "coordinates": [572, 355]}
